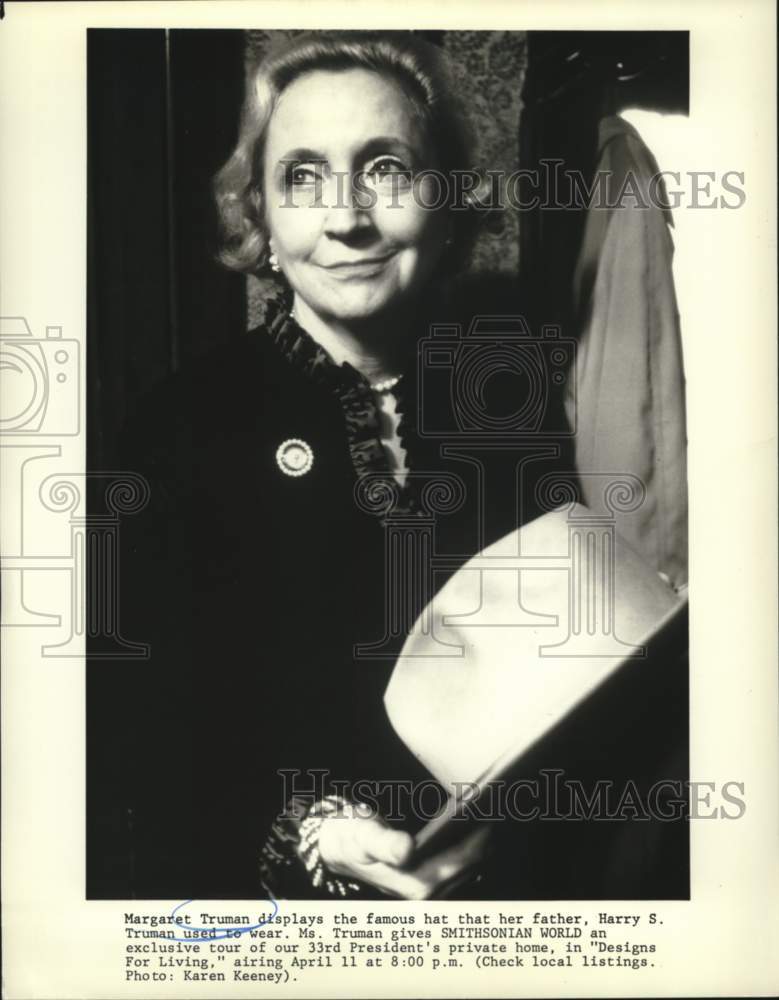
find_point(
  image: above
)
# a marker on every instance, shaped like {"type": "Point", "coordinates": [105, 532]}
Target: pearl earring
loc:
{"type": "Point", "coordinates": [273, 260]}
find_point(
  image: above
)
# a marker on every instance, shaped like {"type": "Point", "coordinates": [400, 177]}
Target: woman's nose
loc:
{"type": "Point", "coordinates": [348, 210]}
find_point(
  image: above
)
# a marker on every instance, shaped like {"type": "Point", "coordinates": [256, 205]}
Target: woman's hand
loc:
{"type": "Point", "coordinates": [363, 847]}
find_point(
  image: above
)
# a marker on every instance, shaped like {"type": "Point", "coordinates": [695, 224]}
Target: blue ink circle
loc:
{"type": "Point", "coordinates": [216, 935]}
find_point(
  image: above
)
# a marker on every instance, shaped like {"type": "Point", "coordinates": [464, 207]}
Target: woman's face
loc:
{"type": "Point", "coordinates": [347, 219]}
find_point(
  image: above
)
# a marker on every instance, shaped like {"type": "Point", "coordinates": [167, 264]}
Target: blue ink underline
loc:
{"type": "Point", "coordinates": [215, 934]}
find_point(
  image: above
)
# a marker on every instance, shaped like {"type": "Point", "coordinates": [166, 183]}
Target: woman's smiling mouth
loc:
{"type": "Point", "coordinates": [364, 267]}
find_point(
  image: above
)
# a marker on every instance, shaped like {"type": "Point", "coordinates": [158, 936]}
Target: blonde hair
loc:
{"type": "Point", "coordinates": [418, 67]}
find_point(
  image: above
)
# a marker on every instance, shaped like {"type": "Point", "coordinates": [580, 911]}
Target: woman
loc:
{"type": "Point", "coordinates": [332, 185]}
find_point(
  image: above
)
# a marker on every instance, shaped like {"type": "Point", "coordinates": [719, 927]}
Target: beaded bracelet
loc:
{"type": "Point", "coordinates": [308, 846]}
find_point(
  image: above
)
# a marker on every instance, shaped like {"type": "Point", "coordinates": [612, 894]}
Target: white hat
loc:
{"type": "Point", "coordinates": [518, 637]}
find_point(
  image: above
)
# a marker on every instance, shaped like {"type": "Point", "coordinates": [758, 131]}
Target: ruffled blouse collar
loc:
{"type": "Point", "coordinates": [310, 358]}
{"type": "Point", "coordinates": [300, 349]}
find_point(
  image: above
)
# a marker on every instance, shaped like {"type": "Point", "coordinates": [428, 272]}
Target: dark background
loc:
{"type": "Point", "coordinates": [162, 117]}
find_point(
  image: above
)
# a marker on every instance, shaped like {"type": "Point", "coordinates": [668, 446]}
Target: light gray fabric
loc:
{"type": "Point", "coordinates": [626, 394]}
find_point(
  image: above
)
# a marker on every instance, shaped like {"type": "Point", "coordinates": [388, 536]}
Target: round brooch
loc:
{"type": "Point", "coordinates": [294, 457]}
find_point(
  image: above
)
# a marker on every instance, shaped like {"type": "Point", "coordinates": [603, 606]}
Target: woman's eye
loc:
{"type": "Point", "coordinates": [303, 174]}
{"type": "Point", "coordinates": [391, 168]}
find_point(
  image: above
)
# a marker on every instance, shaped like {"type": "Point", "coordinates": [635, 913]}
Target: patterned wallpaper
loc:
{"type": "Point", "coordinates": [489, 71]}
